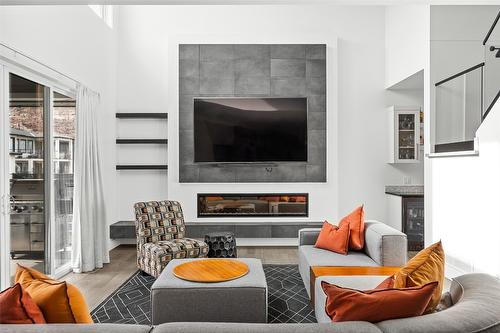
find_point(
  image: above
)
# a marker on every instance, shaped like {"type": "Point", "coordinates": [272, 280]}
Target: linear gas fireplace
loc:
{"type": "Point", "coordinates": [253, 205]}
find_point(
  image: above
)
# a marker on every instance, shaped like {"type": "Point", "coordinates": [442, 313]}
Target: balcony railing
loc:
{"type": "Point", "coordinates": [28, 153]}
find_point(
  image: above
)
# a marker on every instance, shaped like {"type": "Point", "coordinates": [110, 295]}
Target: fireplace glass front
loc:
{"type": "Point", "coordinates": [253, 205]}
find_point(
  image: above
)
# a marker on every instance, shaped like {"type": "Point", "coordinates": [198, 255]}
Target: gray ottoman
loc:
{"type": "Point", "coordinates": [243, 300]}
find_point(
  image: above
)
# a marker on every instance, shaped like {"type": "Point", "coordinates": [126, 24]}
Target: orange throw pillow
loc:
{"type": "Point", "coordinates": [333, 238]}
{"type": "Point", "coordinates": [60, 302]}
{"type": "Point", "coordinates": [425, 267]}
{"type": "Point", "coordinates": [387, 283]}
{"type": "Point", "coordinates": [17, 307]}
{"type": "Point", "coordinates": [356, 220]}
{"type": "Point", "coordinates": [343, 304]}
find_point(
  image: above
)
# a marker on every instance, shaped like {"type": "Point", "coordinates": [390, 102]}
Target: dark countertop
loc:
{"type": "Point", "coordinates": [405, 190]}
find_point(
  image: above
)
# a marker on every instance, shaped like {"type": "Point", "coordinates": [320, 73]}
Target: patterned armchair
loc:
{"type": "Point", "coordinates": [160, 231]}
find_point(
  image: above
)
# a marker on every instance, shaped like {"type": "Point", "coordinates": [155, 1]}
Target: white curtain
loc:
{"type": "Point", "coordinates": [89, 216]}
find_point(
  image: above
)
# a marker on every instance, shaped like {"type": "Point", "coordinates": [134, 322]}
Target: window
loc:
{"type": "Point", "coordinates": [105, 12]}
{"type": "Point", "coordinates": [12, 144]}
{"type": "Point", "coordinates": [29, 146]}
{"type": "Point", "coordinates": [64, 150]}
{"type": "Point", "coordinates": [22, 146]}
{"type": "Point", "coordinates": [21, 167]}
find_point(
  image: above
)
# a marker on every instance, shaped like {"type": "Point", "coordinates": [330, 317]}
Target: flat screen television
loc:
{"type": "Point", "coordinates": [232, 130]}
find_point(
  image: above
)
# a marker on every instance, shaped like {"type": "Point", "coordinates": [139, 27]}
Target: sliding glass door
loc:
{"type": "Point", "coordinates": [28, 207]}
{"type": "Point", "coordinates": [64, 112]}
{"type": "Point", "coordinates": [36, 164]}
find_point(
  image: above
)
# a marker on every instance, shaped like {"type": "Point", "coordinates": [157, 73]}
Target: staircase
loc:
{"type": "Point", "coordinates": [464, 100]}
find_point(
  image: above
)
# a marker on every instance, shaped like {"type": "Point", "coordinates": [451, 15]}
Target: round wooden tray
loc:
{"type": "Point", "coordinates": [211, 270]}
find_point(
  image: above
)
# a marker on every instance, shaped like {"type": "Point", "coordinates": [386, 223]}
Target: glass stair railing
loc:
{"type": "Point", "coordinates": [464, 100]}
{"type": "Point", "coordinates": [459, 105]}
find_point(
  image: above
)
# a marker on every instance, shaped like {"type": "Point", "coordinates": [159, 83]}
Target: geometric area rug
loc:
{"type": "Point", "coordinates": [288, 301]}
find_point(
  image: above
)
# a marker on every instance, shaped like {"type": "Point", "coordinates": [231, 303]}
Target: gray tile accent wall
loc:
{"type": "Point", "coordinates": [253, 70]}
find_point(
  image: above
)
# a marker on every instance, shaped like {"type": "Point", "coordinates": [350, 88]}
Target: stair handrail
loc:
{"type": "Point", "coordinates": [465, 71]}
{"type": "Point", "coordinates": [485, 40]}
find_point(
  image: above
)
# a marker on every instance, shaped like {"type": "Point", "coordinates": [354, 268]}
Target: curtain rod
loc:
{"type": "Point", "coordinates": [46, 66]}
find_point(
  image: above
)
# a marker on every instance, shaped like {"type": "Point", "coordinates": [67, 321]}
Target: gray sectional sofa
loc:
{"type": "Point", "coordinates": [384, 246]}
{"type": "Point", "coordinates": [475, 307]}
{"type": "Point", "coordinates": [473, 299]}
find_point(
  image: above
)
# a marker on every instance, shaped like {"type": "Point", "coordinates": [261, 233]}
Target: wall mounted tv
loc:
{"type": "Point", "coordinates": [242, 130]}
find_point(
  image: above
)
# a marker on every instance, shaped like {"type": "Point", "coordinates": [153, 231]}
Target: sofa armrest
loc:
{"type": "Point", "coordinates": [385, 245]}
{"type": "Point", "coordinates": [308, 236]}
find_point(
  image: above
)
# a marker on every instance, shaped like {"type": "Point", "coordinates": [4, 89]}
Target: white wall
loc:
{"type": "Point", "coordinates": [406, 41]}
{"type": "Point", "coordinates": [74, 41]}
{"type": "Point", "coordinates": [463, 192]}
{"type": "Point", "coordinates": [141, 87]}
{"type": "Point", "coordinates": [357, 122]}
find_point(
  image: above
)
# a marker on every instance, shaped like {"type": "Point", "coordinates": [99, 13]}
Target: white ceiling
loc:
{"type": "Point", "coordinates": [247, 2]}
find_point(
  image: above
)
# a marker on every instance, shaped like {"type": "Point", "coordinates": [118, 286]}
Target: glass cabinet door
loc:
{"type": "Point", "coordinates": [406, 136]}
{"type": "Point", "coordinates": [413, 222]}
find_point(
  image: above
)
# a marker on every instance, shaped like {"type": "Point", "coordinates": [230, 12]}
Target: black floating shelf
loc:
{"type": "Point", "coordinates": [141, 167]}
{"type": "Point", "coordinates": [142, 115]}
{"type": "Point", "coordinates": [141, 141]}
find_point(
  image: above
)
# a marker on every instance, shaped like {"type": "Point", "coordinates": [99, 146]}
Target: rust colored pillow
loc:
{"type": "Point", "coordinates": [343, 304]}
{"type": "Point", "coordinates": [387, 283]}
{"type": "Point", "coordinates": [60, 302]}
{"type": "Point", "coordinates": [425, 267]}
{"type": "Point", "coordinates": [333, 238]}
{"type": "Point", "coordinates": [17, 307]}
{"type": "Point", "coordinates": [356, 220]}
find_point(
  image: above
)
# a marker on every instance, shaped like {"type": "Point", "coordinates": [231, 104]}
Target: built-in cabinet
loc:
{"type": "Point", "coordinates": [413, 222]}
{"type": "Point", "coordinates": [405, 212]}
{"type": "Point", "coordinates": [404, 134]}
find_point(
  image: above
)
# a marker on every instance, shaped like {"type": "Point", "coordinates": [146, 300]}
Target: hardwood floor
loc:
{"type": "Point", "coordinates": [99, 284]}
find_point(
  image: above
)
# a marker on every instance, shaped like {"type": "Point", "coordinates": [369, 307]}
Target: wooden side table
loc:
{"type": "Point", "coordinates": [317, 271]}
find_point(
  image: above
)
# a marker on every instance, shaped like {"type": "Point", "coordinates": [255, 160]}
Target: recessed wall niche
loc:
{"type": "Point", "coordinates": [253, 70]}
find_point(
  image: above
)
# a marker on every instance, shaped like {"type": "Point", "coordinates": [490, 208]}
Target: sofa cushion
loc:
{"type": "Point", "coordinates": [345, 304]}
{"type": "Point", "coordinates": [311, 256]}
{"type": "Point", "coordinates": [333, 238]}
{"type": "Point", "coordinates": [425, 267]}
{"type": "Point", "coordinates": [167, 250]}
{"type": "Point", "coordinates": [360, 282]}
{"type": "Point", "coordinates": [350, 327]}
{"type": "Point", "coordinates": [17, 307]}
{"type": "Point", "coordinates": [72, 328]}
{"type": "Point", "coordinates": [356, 222]}
{"type": "Point", "coordinates": [319, 257]}
{"type": "Point", "coordinates": [59, 301]}
{"type": "Point", "coordinates": [387, 283]}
